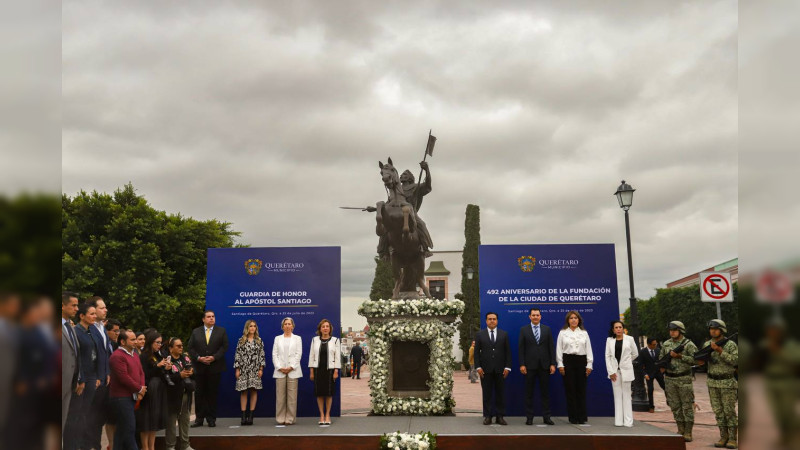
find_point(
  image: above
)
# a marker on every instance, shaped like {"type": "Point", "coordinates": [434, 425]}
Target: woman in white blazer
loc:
{"type": "Point", "coordinates": [287, 350]}
{"type": "Point", "coordinates": [621, 350]}
{"type": "Point", "coordinates": [324, 361]}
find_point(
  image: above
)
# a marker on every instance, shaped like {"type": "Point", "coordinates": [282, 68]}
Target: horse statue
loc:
{"type": "Point", "coordinates": [397, 221]}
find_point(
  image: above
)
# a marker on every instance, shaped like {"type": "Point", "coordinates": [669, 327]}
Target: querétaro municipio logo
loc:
{"type": "Point", "coordinates": [526, 263]}
{"type": "Point", "coordinates": [253, 266]}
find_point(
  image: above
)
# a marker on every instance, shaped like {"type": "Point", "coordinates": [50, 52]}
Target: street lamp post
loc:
{"type": "Point", "coordinates": [624, 195]}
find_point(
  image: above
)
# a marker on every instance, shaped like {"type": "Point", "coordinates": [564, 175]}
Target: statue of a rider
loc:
{"type": "Point", "coordinates": [413, 193]}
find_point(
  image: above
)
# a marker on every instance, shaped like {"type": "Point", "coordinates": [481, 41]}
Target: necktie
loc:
{"type": "Point", "coordinates": [492, 331]}
{"type": "Point", "coordinates": [536, 333]}
{"type": "Point", "coordinates": [72, 337]}
{"type": "Point", "coordinates": [208, 334]}
{"type": "Point", "coordinates": [653, 353]}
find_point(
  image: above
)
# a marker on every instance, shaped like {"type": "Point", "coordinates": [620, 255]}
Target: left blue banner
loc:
{"type": "Point", "coordinates": [268, 285]}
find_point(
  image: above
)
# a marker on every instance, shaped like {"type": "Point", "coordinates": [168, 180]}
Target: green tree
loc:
{"type": "Point", "coordinates": [684, 304]}
{"type": "Point", "coordinates": [29, 245]}
{"type": "Point", "coordinates": [470, 289]}
{"type": "Point", "coordinates": [383, 281]}
{"type": "Point", "coordinates": [148, 265]}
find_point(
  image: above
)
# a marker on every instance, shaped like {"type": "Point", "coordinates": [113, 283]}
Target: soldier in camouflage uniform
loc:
{"type": "Point", "coordinates": [722, 385]}
{"type": "Point", "coordinates": [678, 378]}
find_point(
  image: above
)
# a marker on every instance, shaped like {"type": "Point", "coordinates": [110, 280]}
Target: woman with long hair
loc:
{"type": "Point", "coordinates": [574, 358]}
{"type": "Point", "coordinates": [324, 363]}
{"type": "Point", "coordinates": [620, 351]}
{"type": "Point", "coordinates": [249, 364]}
{"type": "Point", "coordinates": [152, 413]}
{"type": "Point", "coordinates": [287, 350]}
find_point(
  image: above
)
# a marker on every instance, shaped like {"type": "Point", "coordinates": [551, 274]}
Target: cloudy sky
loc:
{"type": "Point", "coordinates": [270, 115]}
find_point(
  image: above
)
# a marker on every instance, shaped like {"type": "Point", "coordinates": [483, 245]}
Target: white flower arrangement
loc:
{"type": "Point", "coordinates": [424, 328]}
{"type": "Point", "coordinates": [400, 441]}
{"type": "Point", "coordinates": [420, 307]}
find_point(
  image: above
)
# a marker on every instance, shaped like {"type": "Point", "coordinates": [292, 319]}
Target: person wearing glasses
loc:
{"type": "Point", "coordinates": [151, 415]}
{"type": "Point", "coordinates": [179, 395]}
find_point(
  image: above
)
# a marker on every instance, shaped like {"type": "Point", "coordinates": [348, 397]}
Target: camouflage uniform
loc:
{"type": "Point", "coordinates": [723, 388]}
{"type": "Point", "coordinates": [678, 379]}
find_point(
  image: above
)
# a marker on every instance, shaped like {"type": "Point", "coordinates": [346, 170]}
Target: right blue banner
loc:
{"type": "Point", "coordinates": [556, 278]}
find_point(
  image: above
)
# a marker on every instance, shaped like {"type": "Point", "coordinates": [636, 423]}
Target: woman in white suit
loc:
{"type": "Point", "coordinates": [620, 352]}
{"type": "Point", "coordinates": [286, 353]}
{"type": "Point", "coordinates": [324, 360]}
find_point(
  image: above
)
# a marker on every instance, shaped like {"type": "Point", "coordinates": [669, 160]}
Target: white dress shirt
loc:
{"type": "Point", "coordinates": [573, 342]}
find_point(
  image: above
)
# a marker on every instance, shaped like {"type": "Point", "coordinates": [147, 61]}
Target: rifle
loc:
{"type": "Point", "coordinates": [663, 363]}
{"type": "Point", "coordinates": [704, 354]}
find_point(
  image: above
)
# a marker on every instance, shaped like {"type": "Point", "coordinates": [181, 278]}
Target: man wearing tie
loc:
{"type": "Point", "coordinates": [70, 363]}
{"type": "Point", "coordinates": [537, 361]}
{"type": "Point", "coordinates": [647, 359]}
{"type": "Point", "coordinates": [207, 346]}
{"type": "Point", "coordinates": [98, 409]}
{"type": "Point", "coordinates": [493, 359]}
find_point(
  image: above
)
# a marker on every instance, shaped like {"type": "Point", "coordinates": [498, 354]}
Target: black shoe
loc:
{"type": "Point", "coordinates": [197, 424]}
{"type": "Point", "coordinates": [244, 418]}
{"type": "Point", "coordinates": [573, 421]}
{"type": "Point", "coordinates": [487, 420]}
{"type": "Point", "coordinates": [529, 421]}
{"type": "Point", "coordinates": [501, 421]}
{"type": "Point", "coordinates": [250, 417]}
{"type": "Point", "coordinates": [548, 421]}
{"type": "Point", "coordinates": [212, 423]}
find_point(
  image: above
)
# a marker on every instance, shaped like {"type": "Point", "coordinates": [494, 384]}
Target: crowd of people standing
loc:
{"type": "Point", "coordinates": [571, 355]}
{"type": "Point", "coordinates": [135, 384]}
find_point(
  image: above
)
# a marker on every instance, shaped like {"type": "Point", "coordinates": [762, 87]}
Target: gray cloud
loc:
{"type": "Point", "coordinates": [272, 115]}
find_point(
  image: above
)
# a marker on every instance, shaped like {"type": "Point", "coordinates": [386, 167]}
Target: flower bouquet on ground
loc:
{"type": "Point", "coordinates": [398, 440]}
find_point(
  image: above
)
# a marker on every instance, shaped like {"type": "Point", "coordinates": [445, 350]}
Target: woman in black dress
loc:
{"type": "Point", "coordinates": [152, 413]}
{"type": "Point", "coordinates": [324, 363]}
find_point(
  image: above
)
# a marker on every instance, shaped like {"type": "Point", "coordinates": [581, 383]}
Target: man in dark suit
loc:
{"type": "Point", "coordinates": [207, 346]}
{"type": "Point", "coordinates": [537, 361]}
{"type": "Point", "coordinates": [493, 360]}
{"type": "Point", "coordinates": [97, 412]}
{"type": "Point", "coordinates": [647, 359]}
{"type": "Point", "coordinates": [356, 353]}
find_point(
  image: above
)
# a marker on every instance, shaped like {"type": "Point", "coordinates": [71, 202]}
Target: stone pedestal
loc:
{"type": "Point", "coordinates": [411, 355]}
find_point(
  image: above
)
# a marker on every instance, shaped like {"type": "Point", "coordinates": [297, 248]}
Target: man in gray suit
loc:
{"type": "Point", "coordinates": [69, 353]}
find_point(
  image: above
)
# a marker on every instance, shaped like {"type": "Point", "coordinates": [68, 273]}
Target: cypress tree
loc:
{"type": "Point", "coordinates": [470, 289]}
{"type": "Point", "coordinates": [383, 282]}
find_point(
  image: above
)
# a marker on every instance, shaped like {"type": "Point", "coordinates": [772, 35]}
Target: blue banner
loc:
{"type": "Point", "coordinates": [267, 285]}
{"type": "Point", "coordinates": [555, 278]}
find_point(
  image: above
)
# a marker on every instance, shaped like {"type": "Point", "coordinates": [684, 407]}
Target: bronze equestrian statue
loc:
{"type": "Point", "coordinates": [404, 236]}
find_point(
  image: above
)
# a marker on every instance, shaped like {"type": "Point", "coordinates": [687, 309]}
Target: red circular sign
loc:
{"type": "Point", "coordinates": [774, 287]}
{"type": "Point", "coordinates": [713, 286]}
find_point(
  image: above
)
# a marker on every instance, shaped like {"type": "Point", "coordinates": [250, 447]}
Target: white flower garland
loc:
{"type": "Point", "coordinates": [400, 441]}
{"type": "Point", "coordinates": [422, 307]}
{"type": "Point", "coordinates": [436, 333]}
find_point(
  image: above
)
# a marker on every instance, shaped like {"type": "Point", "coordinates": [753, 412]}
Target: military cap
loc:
{"type": "Point", "coordinates": [677, 325]}
{"type": "Point", "coordinates": [718, 323]}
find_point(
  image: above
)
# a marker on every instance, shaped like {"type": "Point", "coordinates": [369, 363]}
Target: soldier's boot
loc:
{"type": "Point", "coordinates": [732, 441]}
{"type": "Point", "coordinates": [680, 427]}
{"type": "Point", "coordinates": [687, 432]}
{"type": "Point", "coordinates": [723, 438]}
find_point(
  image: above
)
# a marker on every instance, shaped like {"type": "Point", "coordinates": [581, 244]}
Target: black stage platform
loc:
{"type": "Point", "coordinates": [454, 433]}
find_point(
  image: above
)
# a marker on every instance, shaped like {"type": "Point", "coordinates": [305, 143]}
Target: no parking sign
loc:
{"type": "Point", "coordinates": [716, 287]}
